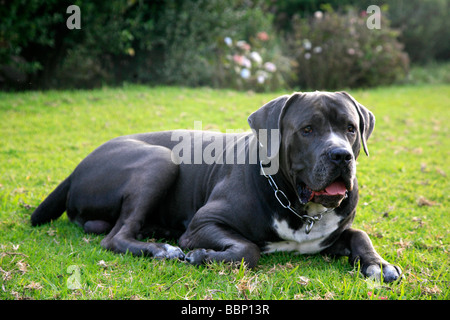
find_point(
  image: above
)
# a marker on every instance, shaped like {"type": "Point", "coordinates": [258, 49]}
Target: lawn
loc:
{"type": "Point", "coordinates": [404, 205]}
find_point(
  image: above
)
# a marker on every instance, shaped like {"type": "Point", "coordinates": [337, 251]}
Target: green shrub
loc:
{"type": "Point", "coordinates": [425, 28]}
{"type": "Point", "coordinates": [333, 50]}
{"type": "Point", "coordinates": [157, 42]}
{"type": "Point", "coordinates": [194, 52]}
{"type": "Point", "coordinates": [424, 24]}
{"type": "Point", "coordinates": [35, 41]}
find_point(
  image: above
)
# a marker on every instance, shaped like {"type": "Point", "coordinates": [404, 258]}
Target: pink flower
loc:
{"type": "Point", "coordinates": [243, 45]}
{"type": "Point", "coordinates": [242, 61]}
{"type": "Point", "coordinates": [263, 36]}
{"type": "Point", "coordinates": [246, 63]}
{"type": "Point", "coordinates": [238, 59]}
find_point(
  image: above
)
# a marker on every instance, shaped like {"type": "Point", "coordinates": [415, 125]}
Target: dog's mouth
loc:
{"type": "Point", "coordinates": [330, 197]}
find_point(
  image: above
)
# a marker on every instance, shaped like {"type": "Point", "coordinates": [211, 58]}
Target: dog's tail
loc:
{"type": "Point", "coordinates": [53, 206]}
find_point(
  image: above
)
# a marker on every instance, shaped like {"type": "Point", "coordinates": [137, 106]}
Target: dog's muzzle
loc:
{"type": "Point", "coordinates": [330, 197]}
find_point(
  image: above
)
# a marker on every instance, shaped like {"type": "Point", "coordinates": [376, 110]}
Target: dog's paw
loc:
{"type": "Point", "coordinates": [166, 251]}
{"type": "Point", "coordinates": [196, 257]}
{"type": "Point", "coordinates": [382, 272]}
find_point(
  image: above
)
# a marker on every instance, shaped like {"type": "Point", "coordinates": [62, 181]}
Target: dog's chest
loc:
{"type": "Point", "coordinates": [298, 239]}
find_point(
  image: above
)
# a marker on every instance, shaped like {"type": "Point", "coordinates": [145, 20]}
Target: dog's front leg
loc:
{"type": "Point", "coordinates": [357, 246]}
{"type": "Point", "coordinates": [214, 242]}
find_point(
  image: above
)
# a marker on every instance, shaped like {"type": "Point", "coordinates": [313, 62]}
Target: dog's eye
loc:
{"type": "Point", "coordinates": [307, 130]}
{"type": "Point", "coordinates": [351, 128]}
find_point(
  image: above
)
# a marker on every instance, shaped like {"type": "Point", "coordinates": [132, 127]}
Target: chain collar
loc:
{"type": "Point", "coordinates": [286, 203]}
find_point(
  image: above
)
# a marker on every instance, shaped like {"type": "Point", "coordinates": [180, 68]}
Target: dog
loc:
{"type": "Point", "coordinates": [289, 184]}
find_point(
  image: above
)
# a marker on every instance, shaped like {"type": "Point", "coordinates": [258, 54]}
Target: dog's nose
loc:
{"type": "Point", "coordinates": [340, 156]}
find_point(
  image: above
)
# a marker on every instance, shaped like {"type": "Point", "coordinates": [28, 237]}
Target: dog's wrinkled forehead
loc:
{"type": "Point", "coordinates": [319, 108]}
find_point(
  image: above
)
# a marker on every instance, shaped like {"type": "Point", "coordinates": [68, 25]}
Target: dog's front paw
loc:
{"type": "Point", "coordinates": [196, 257]}
{"type": "Point", "coordinates": [382, 272]}
{"type": "Point", "coordinates": [166, 251]}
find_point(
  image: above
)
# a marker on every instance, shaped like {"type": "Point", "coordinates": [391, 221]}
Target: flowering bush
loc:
{"type": "Point", "coordinates": [244, 65]}
{"type": "Point", "coordinates": [332, 51]}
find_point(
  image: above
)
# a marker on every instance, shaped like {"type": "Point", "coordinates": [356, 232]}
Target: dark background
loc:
{"type": "Point", "coordinates": [177, 42]}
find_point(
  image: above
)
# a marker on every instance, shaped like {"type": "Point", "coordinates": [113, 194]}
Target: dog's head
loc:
{"type": "Point", "coordinates": [320, 137]}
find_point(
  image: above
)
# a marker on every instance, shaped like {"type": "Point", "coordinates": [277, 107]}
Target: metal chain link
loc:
{"type": "Point", "coordinates": [286, 203]}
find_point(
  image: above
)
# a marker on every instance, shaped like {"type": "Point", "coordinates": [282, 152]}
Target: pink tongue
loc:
{"type": "Point", "coordinates": [336, 188]}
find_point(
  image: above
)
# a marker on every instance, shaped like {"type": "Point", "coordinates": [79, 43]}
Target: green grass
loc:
{"type": "Point", "coordinates": [431, 73]}
{"type": "Point", "coordinates": [403, 207]}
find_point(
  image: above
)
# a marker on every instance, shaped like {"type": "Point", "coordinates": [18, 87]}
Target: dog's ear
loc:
{"type": "Point", "coordinates": [265, 123]}
{"type": "Point", "coordinates": [366, 121]}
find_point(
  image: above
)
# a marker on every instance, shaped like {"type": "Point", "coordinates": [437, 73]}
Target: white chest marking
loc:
{"type": "Point", "coordinates": [298, 240]}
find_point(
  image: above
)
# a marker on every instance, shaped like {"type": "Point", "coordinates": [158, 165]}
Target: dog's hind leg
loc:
{"type": "Point", "coordinates": [147, 186]}
{"type": "Point", "coordinates": [97, 226]}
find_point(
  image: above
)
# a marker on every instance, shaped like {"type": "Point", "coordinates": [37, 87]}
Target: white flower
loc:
{"type": "Point", "coordinates": [228, 41]}
{"type": "Point", "coordinates": [256, 57]}
{"type": "Point", "coordinates": [307, 56]}
{"type": "Point", "coordinates": [351, 51]}
{"type": "Point", "coordinates": [246, 62]}
{"type": "Point", "coordinates": [318, 15]}
{"type": "Point", "coordinates": [261, 79]}
{"type": "Point", "coordinates": [317, 49]}
{"type": "Point", "coordinates": [245, 73]}
{"type": "Point", "coordinates": [307, 44]}
{"type": "Point", "coordinates": [269, 66]}
{"type": "Point", "coordinates": [262, 76]}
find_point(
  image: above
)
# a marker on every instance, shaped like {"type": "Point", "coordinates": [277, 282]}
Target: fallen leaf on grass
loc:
{"type": "Point", "coordinates": [25, 205]}
{"type": "Point", "coordinates": [22, 266]}
{"type": "Point", "coordinates": [422, 201]}
{"type": "Point", "coordinates": [303, 281]}
{"type": "Point", "coordinates": [403, 245]}
{"type": "Point", "coordinates": [329, 296]}
{"type": "Point", "coordinates": [34, 286]}
{"type": "Point", "coordinates": [423, 167]}
{"type": "Point", "coordinates": [102, 264]}
{"type": "Point", "coordinates": [6, 274]}
{"type": "Point", "coordinates": [247, 285]}
{"type": "Point", "coordinates": [20, 190]}
{"type": "Point", "coordinates": [441, 172]}
{"type": "Point", "coordinates": [433, 290]}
